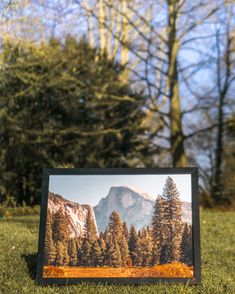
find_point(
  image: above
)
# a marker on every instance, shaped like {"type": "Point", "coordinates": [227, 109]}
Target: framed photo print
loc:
{"type": "Point", "coordinates": [127, 226]}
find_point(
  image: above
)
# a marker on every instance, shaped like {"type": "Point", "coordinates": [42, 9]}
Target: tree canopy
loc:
{"type": "Point", "coordinates": [64, 104]}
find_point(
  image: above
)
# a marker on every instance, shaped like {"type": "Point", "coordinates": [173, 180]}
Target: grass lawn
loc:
{"type": "Point", "coordinates": [18, 247]}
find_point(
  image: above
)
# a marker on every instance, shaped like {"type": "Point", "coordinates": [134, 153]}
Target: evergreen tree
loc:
{"type": "Point", "coordinates": [167, 224]}
{"type": "Point", "coordinates": [60, 227]}
{"type": "Point", "coordinates": [79, 242]}
{"type": "Point", "coordinates": [171, 194]}
{"type": "Point", "coordinates": [102, 246]}
{"type": "Point", "coordinates": [155, 258]}
{"type": "Point", "coordinates": [115, 226]}
{"type": "Point", "coordinates": [159, 228]}
{"type": "Point", "coordinates": [124, 250]}
{"type": "Point", "coordinates": [86, 259]}
{"type": "Point", "coordinates": [96, 254]}
{"type": "Point", "coordinates": [79, 109]}
{"type": "Point", "coordinates": [65, 254]}
{"type": "Point", "coordinates": [114, 254]}
{"type": "Point", "coordinates": [72, 251]}
{"type": "Point", "coordinates": [90, 229]}
{"type": "Point", "coordinates": [125, 230]}
{"type": "Point", "coordinates": [50, 250]}
{"type": "Point", "coordinates": [59, 259]}
{"type": "Point", "coordinates": [186, 245]}
{"type": "Point", "coordinates": [133, 245]}
{"type": "Point", "coordinates": [145, 248]}
{"type": "Point", "coordinates": [90, 236]}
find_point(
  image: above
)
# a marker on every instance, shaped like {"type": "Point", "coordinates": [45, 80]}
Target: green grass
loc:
{"type": "Point", "coordinates": [18, 247]}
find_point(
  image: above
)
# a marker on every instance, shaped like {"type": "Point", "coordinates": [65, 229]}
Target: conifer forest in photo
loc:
{"type": "Point", "coordinates": [126, 232]}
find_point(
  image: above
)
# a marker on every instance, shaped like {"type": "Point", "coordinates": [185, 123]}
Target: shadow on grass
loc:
{"type": "Point", "coordinates": [31, 260]}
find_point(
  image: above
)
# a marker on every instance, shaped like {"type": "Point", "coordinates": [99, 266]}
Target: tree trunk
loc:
{"type": "Point", "coordinates": [179, 157]}
{"type": "Point", "coordinates": [102, 25]}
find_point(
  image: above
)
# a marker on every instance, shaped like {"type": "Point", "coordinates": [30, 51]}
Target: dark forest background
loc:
{"type": "Point", "coordinates": [116, 84]}
{"type": "Point", "coordinates": [167, 239]}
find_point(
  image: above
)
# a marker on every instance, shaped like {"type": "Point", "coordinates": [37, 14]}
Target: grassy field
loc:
{"type": "Point", "coordinates": [18, 247]}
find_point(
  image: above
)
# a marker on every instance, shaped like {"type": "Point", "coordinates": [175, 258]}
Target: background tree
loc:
{"type": "Point", "coordinates": [228, 168]}
{"type": "Point", "coordinates": [79, 112]}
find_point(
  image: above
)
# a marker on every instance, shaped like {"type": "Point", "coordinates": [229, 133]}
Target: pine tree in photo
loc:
{"type": "Point", "coordinates": [167, 224]}
{"type": "Point", "coordinates": [112, 256]}
{"type": "Point", "coordinates": [115, 255]}
{"type": "Point", "coordinates": [50, 250]}
{"type": "Point", "coordinates": [133, 245]}
{"type": "Point", "coordinates": [59, 259]}
{"type": "Point", "coordinates": [165, 254]}
{"type": "Point", "coordinates": [96, 254]}
{"type": "Point", "coordinates": [78, 243]}
{"type": "Point", "coordinates": [66, 254]}
{"type": "Point", "coordinates": [145, 248]}
{"type": "Point", "coordinates": [60, 227]}
{"type": "Point", "coordinates": [155, 258]}
{"type": "Point", "coordinates": [124, 250]}
{"type": "Point", "coordinates": [115, 226]}
{"type": "Point", "coordinates": [72, 251]}
{"type": "Point", "coordinates": [90, 232]}
{"type": "Point", "coordinates": [86, 252]}
{"type": "Point", "coordinates": [171, 194]}
{"type": "Point", "coordinates": [108, 240]}
{"type": "Point", "coordinates": [125, 230]}
{"type": "Point", "coordinates": [102, 246]}
{"type": "Point", "coordinates": [160, 227]}
{"type": "Point", "coordinates": [186, 245]}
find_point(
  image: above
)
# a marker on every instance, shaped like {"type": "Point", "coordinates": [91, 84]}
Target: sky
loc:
{"type": "Point", "coordinates": [89, 189]}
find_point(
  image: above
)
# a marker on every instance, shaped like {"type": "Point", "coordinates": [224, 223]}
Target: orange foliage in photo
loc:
{"type": "Point", "coordinates": [172, 270]}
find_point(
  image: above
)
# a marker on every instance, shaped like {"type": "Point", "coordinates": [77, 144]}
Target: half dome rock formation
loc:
{"type": "Point", "coordinates": [133, 206]}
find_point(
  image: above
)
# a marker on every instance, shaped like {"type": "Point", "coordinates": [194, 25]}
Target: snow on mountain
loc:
{"type": "Point", "coordinates": [133, 205]}
{"type": "Point", "coordinates": [140, 192]}
{"type": "Point", "coordinates": [75, 212]}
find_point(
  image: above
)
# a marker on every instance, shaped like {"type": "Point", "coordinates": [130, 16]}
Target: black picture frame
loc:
{"type": "Point", "coordinates": [47, 172]}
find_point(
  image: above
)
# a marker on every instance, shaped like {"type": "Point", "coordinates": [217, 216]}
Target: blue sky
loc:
{"type": "Point", "coordinates": [89, 189]}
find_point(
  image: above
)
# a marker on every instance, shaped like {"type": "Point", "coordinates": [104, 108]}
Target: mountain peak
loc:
{"type": "Point", "coordinates": [132, 189]}
{"type": "Point", "coordinates": [139, 191]}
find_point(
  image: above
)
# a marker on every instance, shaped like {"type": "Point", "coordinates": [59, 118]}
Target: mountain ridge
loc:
{"type": "Point", "coordinates": [133, 207]}
{"type": "Point", "coordinates": [77, 213]}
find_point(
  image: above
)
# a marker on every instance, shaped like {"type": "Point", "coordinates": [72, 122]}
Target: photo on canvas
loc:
{"type": "Point", "coordinates": [119, 226]}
